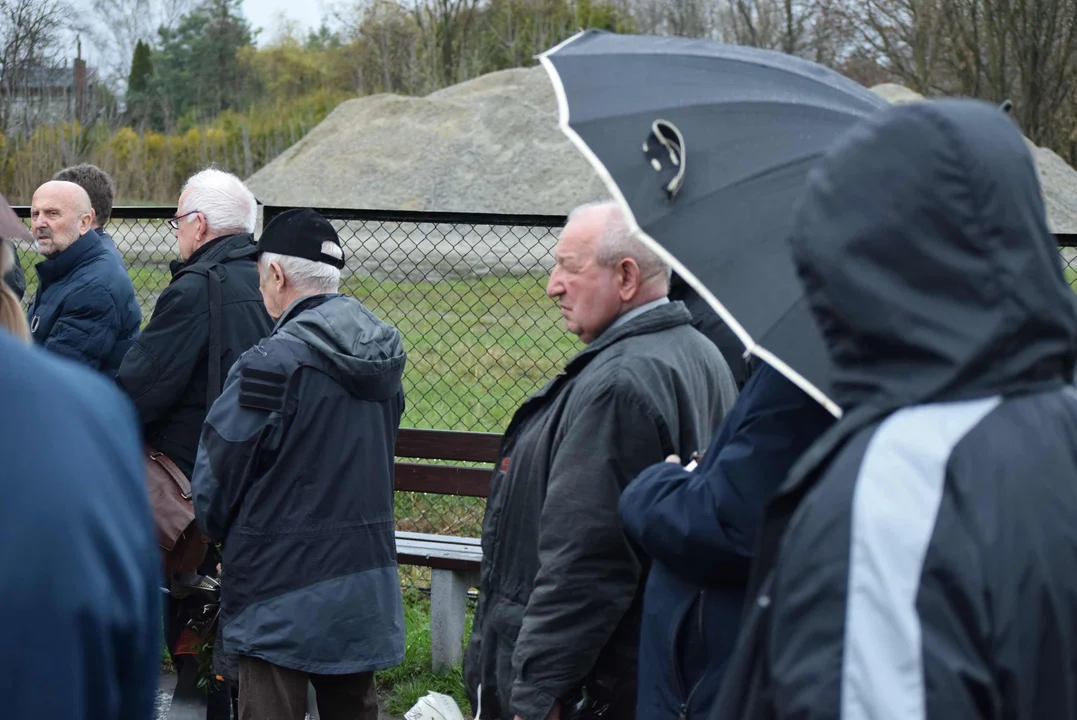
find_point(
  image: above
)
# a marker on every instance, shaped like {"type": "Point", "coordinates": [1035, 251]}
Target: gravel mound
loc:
{"type": "Point", "coordinates": [487, 145]}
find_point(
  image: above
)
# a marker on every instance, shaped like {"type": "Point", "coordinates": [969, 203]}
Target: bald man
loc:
{"type": "Point", "coordinates": [85, 306]}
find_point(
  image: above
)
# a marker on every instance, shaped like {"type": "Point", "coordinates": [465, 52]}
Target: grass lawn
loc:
{"type": "Point", "coordinates": [476, 348]}
{"type": "Point", "coordinates": [402, 686]}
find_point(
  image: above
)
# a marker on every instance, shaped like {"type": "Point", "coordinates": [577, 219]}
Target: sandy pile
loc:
{"type": "Point", "coordinates": [487, 145]}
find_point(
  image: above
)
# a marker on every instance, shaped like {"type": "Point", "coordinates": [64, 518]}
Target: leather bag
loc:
{"type": "Point", "coordinates": [182, 544]}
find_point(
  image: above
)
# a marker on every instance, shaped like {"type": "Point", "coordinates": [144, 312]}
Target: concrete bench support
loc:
{"type": "Point", "coordinates": [448, 604]}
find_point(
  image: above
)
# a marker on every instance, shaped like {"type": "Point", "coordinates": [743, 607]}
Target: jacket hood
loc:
{"type": "Point", "coordinates": [367, 353]}
{"type": "Point", "coordinates": [923, 247]}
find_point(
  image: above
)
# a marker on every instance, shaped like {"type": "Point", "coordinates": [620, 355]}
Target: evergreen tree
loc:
{"type": "Point", "coordinates": [139, 104]}
{"type": "Point", "coordinates": [200, 68]}
{"type": "Point", "coordinates": [141, 69]}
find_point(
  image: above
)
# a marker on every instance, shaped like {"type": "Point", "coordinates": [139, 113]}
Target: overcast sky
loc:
{"type": "Point", "coordinates": [263, 14]}
{"type": "Point", "coordinates": [266, 15]}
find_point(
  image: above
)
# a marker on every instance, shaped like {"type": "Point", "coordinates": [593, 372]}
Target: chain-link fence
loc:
{"type": "Point", "coordinates": [467, 292]}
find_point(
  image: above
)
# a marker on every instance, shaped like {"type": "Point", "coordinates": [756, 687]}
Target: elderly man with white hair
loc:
{"type": "Point", "coordinates": [210, 314]}
{"type": "Point", "coordinates": [169, 371]}
{"type": "Point", "coordinates": [295, 476]}
{"type": "Point", "coordinates": [557, 627]}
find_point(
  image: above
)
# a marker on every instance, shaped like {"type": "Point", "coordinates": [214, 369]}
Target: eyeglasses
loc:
{"type": "Point", "coordinates": [173, 222]}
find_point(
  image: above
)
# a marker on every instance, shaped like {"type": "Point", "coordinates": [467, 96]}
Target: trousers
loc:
{"type": "Point", "coordinates": [271, 692]}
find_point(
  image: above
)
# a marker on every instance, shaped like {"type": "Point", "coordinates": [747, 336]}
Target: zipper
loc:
{"type": "Point", "coordinates": [700, 605]}
{"type": "Point", "coordinates": [497, 493]}
{"type": "Point", "coordinates": [678, 682]}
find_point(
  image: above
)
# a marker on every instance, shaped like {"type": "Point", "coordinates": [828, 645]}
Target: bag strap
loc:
{"type": "Point", "coordinates": [213, 388]}
{"type": "Point", "coordinates": [213, 354]}
{"type": "Point", "coordinates": [174, 472]}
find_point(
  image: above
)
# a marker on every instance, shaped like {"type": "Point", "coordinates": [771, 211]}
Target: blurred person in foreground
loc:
{"type": "Point", "coordinates": [557, 626]}
{"type": "Point", "coordinates": [84, 307]}
{"type": "Point", "coordinates": [921, 559]}
{"type": "Point", "coordinates": [699, 528]}
{"type": "Point", "coordinates": [79, 574]}
{"type": "Point", "coordinates": [101, 190]}
{"type": "Point", "coordinates": [295, 476]}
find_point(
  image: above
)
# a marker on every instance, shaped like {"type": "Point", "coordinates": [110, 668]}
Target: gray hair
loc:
{"type": "Point", "coordinates": [617, 242]}
{"type": "Point", "coordinates": [308, 276]}
{"type": "Point", "coordinates": [228, 206]}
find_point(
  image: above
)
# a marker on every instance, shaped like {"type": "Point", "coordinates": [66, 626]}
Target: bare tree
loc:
{"type": "Point", "coordinates": [1023, 50]}
{"type": "Point", "coordinates": [116, 26]}
{"type": "Point", "coordinates": [444, 29]}
{"type": "Point", "coordinates": [30, 38]}
{"type": "Point", "coordinates": [795, 27]}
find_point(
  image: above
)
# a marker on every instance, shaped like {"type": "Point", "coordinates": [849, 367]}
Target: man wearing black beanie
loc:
{"type": "Point", "coordinates": [294, 474]}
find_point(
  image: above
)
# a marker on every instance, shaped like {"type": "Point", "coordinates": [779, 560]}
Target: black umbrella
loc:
{"type": "Point", "coordinates": [706, 147]}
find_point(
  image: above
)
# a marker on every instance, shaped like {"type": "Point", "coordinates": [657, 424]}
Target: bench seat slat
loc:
{"type": "Point", "coordinates": [439, 556]}
{"type": "Point", "coordinates": [463, 552]}
{"type": "Point", "coordinates": [447, 539]}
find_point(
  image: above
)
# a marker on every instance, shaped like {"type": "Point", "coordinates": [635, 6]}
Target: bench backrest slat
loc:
{"type": "Point", "coordinates": [448, 445]}
{"type": "Point", "coordinates": [441, 479]}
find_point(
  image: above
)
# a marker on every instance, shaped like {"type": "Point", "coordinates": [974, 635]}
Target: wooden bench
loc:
{"type": "Point", "coordinates": [453, 561]}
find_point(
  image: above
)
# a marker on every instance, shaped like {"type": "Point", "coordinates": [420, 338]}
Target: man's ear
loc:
{"type": "Point", "coordinates": [87, 222]}
{"type": "Point", "coordinates": [629, 278]}
{"type": "Point", "coordinates": [277, 274]}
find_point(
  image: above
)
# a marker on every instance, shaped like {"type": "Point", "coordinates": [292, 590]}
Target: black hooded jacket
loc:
{"type": "Point", "coordinates": [921, 559]}
{"type": "Point", "coordinates": [707, 321]}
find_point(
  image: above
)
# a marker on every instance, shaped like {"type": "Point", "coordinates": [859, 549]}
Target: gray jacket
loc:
{"type": "Point", "coordinates": [295, 475]}
{"type": "Point", "coordinates": [561, 584]}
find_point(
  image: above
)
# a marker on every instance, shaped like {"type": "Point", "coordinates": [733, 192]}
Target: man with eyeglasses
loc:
{"type": "Point", "coordinates": [210, 314]}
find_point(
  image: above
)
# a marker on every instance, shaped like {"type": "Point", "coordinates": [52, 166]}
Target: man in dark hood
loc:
{"type": "Point", "coordinates": [928, 547]}
{"type": "Point", "coordinates": [295, 475]}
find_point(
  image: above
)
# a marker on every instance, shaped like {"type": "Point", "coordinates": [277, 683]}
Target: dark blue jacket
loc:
{"type": "Point", "coordinates": [109, 244]}
{"type": "Point", "coordinates": [85, 306]}
{"type": "Point", "coordinates": [79, 569]}
{"type": "Point", "coordinates": [699, 529]}
{"type": "Point", "coordinates": [295, 474]}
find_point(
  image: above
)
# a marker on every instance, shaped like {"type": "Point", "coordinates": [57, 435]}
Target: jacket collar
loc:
{"type": "Point", "coordinates": [220, 249]}
{"type": "Point", "coordinates": [300, 305]}
{"type": "Point", "coordinates": [86, 248]}
{"type": "Point", "coordinates": [660, 318]}
{"type": "Point", "coordinates": [654, 320]}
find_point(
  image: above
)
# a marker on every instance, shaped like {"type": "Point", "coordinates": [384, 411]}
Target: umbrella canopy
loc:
{"type": "Point", "coordinates": [11, 226]}
{"type": "Point", "coordinates": [706, 148]}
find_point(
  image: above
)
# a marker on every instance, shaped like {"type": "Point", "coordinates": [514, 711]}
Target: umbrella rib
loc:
{"type": "Point", "coordinates": [644, 113]}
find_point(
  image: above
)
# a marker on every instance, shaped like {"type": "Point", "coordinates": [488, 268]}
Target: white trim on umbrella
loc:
{"type": "Point", "coordinates": [751, 346]}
